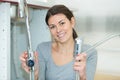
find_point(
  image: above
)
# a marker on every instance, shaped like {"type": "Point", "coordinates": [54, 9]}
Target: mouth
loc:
{"type": "Point", "coordinates": [61, 35]}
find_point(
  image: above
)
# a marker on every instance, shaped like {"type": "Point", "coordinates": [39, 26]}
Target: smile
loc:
{"type": "Point", "coordinates": [61, 35]}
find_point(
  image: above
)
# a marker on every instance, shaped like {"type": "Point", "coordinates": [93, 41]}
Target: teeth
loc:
{"type": "Point", "coordinates": [60, 35]}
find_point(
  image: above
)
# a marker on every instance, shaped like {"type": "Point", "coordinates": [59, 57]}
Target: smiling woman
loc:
{"type": "Point", "coordinates": [55, 59]}
{"type": "Point", "coordinates": [60, 27]}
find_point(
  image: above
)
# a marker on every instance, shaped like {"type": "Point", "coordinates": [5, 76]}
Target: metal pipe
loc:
{"type": "Point", "coordinates": [101, 42]}
{"type": "Point", "coordinates": [30, 61]}
{"type": "Point", "coordinates": [79, 46]}
{"type": "Point", "coordinates": [78, 49]}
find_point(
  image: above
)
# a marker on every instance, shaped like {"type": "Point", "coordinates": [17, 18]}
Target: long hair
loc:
{"type": "Point", "coordinates": [57, 9]}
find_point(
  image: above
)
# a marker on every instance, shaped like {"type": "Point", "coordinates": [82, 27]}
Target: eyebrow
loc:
{"type": "Point", "coordinates": [58, 22]}
{"type": "Point", "coordinates": [61, 20]}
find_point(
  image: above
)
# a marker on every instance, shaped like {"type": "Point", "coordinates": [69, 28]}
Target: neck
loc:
{"type": "Point", "coordinates": [66, 47]}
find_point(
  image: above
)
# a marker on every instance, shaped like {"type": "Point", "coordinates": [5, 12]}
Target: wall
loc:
{"type": "Point", "coordinates": [39, 33]}
{"type": "Point", "coordinates": [4, 41]}
{"type": "Point", "coordinates": [94, 29]}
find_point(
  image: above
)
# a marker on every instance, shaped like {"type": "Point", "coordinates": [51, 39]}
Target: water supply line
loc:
{"type": "Point", "coordinates": [102, 41]}
{"type": "Point", "coordinates": [23, 13]}
{"type": "Point", "coordinates": [79, 43]}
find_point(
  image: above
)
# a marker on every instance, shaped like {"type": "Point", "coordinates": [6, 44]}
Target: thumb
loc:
{"type": "Point", "coordinates": [36, 56]}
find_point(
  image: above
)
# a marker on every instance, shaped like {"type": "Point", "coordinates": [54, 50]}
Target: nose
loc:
{"type": "Point", "coordinates": [58, 29]}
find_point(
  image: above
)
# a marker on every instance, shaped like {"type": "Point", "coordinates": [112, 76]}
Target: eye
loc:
{"type": "Point", "coordinates": [52, 26]}
{"type": "Point", "coordinates": [62, 23]}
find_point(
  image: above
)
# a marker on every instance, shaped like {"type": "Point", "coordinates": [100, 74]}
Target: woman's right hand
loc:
{"type": "Point", "coordinates": [24, 58]}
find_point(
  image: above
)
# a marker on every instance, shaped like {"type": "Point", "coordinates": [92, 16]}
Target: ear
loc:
{"type": "Point", "coordinates": [73, 22]}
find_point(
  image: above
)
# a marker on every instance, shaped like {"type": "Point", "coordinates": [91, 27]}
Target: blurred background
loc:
{"type": "Point", "coordinates": [95, 19]}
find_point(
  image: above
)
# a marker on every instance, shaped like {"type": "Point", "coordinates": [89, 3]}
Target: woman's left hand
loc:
{"type": "Point", "coordinates": [80, 65]}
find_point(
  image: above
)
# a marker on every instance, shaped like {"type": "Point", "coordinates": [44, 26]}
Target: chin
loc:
{"type": "Point", "coordinates": [63, 41]}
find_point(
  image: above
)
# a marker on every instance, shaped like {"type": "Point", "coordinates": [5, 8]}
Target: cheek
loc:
{"type": "Point", "coordinates": [70, 31]}
{"type": "Point", "coordinates": [53, 33]}
{"type": "Point", "coordinates": [69, 28]}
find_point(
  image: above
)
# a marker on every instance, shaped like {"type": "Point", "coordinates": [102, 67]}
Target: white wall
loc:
{"type": "Point", "coordinates": [108, 52]}
{"type": "Point", "coordinates": [5, 41]}
{"type": "Point", "coordinates": [92, 7]}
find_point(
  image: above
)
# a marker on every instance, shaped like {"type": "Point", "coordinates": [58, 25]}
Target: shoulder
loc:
{"type": "Point", "coordinates": [44, 44]}
{"type": "Point", "coordinates": [91, 62]}
{"type": "Point", "coordinates": [91, 52]}
{"type": "Point", "coordinates": [44, 50]}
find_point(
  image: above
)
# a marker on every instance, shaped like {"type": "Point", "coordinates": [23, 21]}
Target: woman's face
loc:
{"type": "Point", "coordinates": [61, 27]}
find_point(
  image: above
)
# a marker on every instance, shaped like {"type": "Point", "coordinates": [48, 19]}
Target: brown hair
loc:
{"type": "Point", "coordinates": [56, 9]}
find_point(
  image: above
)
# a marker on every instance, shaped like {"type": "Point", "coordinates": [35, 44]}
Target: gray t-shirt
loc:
{"type": "Point", "coordinates": [50, 71]}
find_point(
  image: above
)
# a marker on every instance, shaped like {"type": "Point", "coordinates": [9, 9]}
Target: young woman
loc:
{"type": "Point", "coordinates": [55, 60]}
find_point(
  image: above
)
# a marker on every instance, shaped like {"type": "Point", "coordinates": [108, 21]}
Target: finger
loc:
{"type": "Point", "coordinates": [82, 63]}
{"type": "Point", "coordinates": [23, 56]}
{"type": "Point", "coordinates": [25, 67]}
{"type": "Point", "coordinates": [77, 63]}
{"type": "Point", "coordinates": [78, 58]}
{"type": "Point", "coordinates": [36, 61]}
{"type": "Point", "coordinates": [84, 54]}
{"type": "Point", "coordinates": [36, 57]}
{"type": "Point", "coordinates": [79, 67]}
{"type": "Point", "coordinates": [35, 54]}
{"type": "Point", "coordinates": [76, 68]}
{"type": "Point", "coordinates": [81, 57]}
